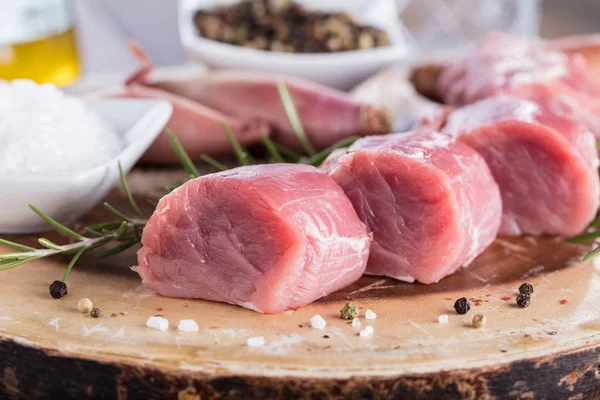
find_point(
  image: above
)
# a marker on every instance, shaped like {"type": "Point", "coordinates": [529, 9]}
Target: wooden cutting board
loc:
{"type": "Point", "coordinates": [548, 350]}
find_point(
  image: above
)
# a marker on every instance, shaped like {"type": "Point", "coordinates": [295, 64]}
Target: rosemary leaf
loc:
{"type": "Point", "coordinates": [122, 230]}
{"type": "Point", "coordinates": [242, 155]}
{"type": "Point", "coordinates": [17, 256]}
{"type": "Point", "coordinates": [128, 193]}
{"type": "Point", "coordinates": [586, 237]}
{"type": "Point", "coordinates": [49, 244]}
{"type": "Point", "coordinates": [596, 222]}
{"type": "Point", "coordinates": [58, 226]}
{"type": "Point", "coordinates": [286, 152]}
{"type": "Point", "coordinates": [15, 245]}
{"type": "Point", "coordinates": [106, 226]}
{"type": "Point", "coordinates": [73, 261]}
{"type": "Point", "coordinates": [94, 232]}
{"type": "Point", "coordinates": [115, 250]}
{"type": "Point", "coordinates": [292, 114]}
{"type": "Point", "coordinates": [592, 254]}
{"type": "Point", "coordinates": [184, 158]}
{"type": "Point", "coordinates": [275, 154]}
{"type": "Point", "coordinates": [117, 213]}
{"type": "Point", "coordinates": [318, 158]}
{"type": "Point", "coordinates": [15, 264]}
{"type": "Point", "coordinates": [214, 163]}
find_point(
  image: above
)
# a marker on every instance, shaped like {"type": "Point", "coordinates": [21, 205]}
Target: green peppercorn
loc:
{"type": "Point", "coordinates": [349, 311]}
{"type": "Point", "coordinates": [526, 288]}
{"type": "Point", "coordinates": [523, 300]}
{"type": "Point", "coordinates": [58, 289]}
{"type": "Point", "coordinates": [462, 306]}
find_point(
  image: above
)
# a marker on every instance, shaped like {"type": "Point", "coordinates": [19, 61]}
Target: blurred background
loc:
{"type": "Point", "coordinates": [430, 27]}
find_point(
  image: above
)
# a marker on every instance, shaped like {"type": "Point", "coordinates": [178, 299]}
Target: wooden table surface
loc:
{"type": "Point", "coordinates": [548, 350]}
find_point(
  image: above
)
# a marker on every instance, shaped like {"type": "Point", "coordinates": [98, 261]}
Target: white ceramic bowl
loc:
{"type": "Point", "coordinates": [66, 197]}
{"type": "Point", "coordinates": [342, 70]}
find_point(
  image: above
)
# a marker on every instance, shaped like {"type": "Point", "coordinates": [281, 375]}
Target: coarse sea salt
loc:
{"type": "Point", "coordinates": [44, 131]}
{"type": "Point", "coordinates": [256, 341]}
{"type": "Point", "coordinates": [159, 323]}
{"type": "Point", "coordinates": [317, 322]}
{"type": "Point", "coordinates": [356, 322]}
{"type": "Point", "coordinates": [443, 319]}
{"type": "Point", "coordinates": [370, 315]}
{"type": "Point", "coordinates": [368, 331]}
{"type": "Point", "coordinates": [188, 325]}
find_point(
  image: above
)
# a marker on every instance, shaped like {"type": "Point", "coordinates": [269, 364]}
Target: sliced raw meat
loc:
{"type": "Point", "coordinates": [502, 63]}
{"type": "Point", "coordinates": [430, 202]}
{"type": "Point", "coordinates": [268, 237]}
{"type": "Point", "coordinates": [327, 115]}
{"type": "Point", "coordinates": [543, 158]}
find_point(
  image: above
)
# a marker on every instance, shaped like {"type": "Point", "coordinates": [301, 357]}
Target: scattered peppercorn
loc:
{"type": "Point", "coordinates": [479, 320]}
{"type": "Point", "coordinates": [58, 289]}
{"type": "Point", "coordinates": [85, 306]}
{"type": "Point", "coordinates": [552, 333]}
{"type": "Point", "coordinates": [325, 336]}
{"type": "Point", "coordinates": [349, 311]}
{"type": "Point", "coordinates": [523, 300]}
{"type": "Point", "coordinates": [462, 305]}
{"type": "Point", "coordinates": [96, 313]}
{"type": "Point", "coordinates": [526, 288]}
{"type": "Point", "coordinates": [284, 26]}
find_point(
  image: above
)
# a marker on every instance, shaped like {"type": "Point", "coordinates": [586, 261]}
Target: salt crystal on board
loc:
{"type": "Point", "coordinates": [317, 322]}
{"type": "Point", "coordinates": [370, 315]}
{"type": "Point", "coordinates": [368, 331]}
{"type": "Point", "coordinates": [188, 325]}
{"type": "Point", "coordinates": [256, 341]}
{"type": "Point", "coordinates": [443, 319]}
{"type": "Point", "coordinates": [355, 322]}
{"type": "Point", "coordinates": [159, 323]}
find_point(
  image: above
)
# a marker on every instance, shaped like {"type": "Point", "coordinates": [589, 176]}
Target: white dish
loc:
{"type": "Point", "coordinates": [66, 197]}
{"type": "Point", "coordinates": [342, 70]}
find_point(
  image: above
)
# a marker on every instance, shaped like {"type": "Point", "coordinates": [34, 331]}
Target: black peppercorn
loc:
{"type": "Point", "coordinates": [96, 312]}
{"type": "Point", "coordinates": [462, 305]}
{"type": "Point", "coordinates": [526, 288]}
{"type": "Point", "coordinates": [58, 289]}
{"type": "Point", "coordinates": [523, 300]}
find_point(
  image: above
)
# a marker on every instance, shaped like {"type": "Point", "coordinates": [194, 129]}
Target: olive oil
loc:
{"type": "Point", "coordinates": [37, 41]}
{"type": "Point", "coordinates": [50, 59]}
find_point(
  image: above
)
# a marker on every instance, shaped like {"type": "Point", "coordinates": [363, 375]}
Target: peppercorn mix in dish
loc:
{"type": "Point", "coordinates": [284, 26]}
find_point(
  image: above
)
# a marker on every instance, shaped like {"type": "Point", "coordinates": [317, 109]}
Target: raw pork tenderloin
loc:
{"type": "Point", "coordinates": [268, 237]}
{"type": "Point", "coordinates": [542, 156]}
{"type": "Point", "coordinates": [504, 64]}
{"type": "Point", "coordinates": [430, 202]}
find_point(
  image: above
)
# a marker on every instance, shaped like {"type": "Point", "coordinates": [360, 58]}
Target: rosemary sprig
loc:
{"type": "Point", "coordinates": [318, 158]}
{"type": "Point", "coordinates": [292, 114]}
{"type": "Point", "coordinates": [242, 155]}
{"type": "Point", "coordinates": [214, 163]}
{"type": "Point", "coordinates": [272, 148]}
{"type": "Point", "coordinates": [291, 155]}
{"type": "Point", "coordinates": [125, 233]}
{"type": "Point", "coordinates": [182, 155]}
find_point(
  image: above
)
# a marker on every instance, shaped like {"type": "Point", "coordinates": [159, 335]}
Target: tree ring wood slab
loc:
{"type": "Point", "coordinates": [548, 350]}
